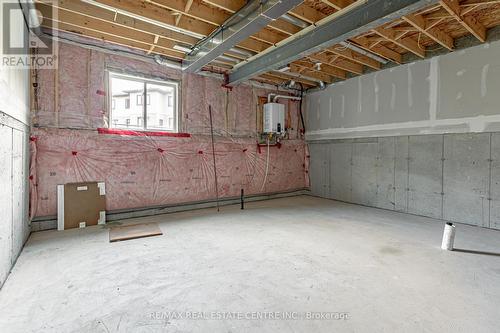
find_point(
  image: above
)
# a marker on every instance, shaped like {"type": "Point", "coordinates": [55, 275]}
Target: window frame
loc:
{"type": "Point", "coordinates": [145, 80]}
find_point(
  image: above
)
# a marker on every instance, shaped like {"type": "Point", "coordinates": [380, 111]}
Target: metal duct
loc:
{"type": "Point", "coordinates": [250, 19]}
{"type": "Point", "coordinates": [364, 52]}
{"type": "Point", "coordinates": [167, 62]}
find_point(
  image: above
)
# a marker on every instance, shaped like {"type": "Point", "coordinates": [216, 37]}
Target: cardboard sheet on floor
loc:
{"type": "Point", "coordinates": [127, 232]}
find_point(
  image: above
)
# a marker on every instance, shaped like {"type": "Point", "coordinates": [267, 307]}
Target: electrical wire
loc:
{"type": "Point", "coordinates": [300, 107]}
{"type": "Point", "coordinates": [267, 167]}
{"type": "Point", "coordinates": [213, 153]}
{"type": "Point", "coordinates": [343, 47]}
{"type": "Point", "coordinates": [426, 49]}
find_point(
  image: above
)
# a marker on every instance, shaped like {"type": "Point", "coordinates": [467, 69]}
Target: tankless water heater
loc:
{"type": "Point", "coordinates": [274, 118]}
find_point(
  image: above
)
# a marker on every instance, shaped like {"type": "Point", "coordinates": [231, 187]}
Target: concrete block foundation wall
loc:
{"type": "Point", "coordinates": [455, 177]}
{"type": "Point", "coordinates": [421, 138]}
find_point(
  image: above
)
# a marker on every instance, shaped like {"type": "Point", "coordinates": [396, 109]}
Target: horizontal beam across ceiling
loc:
{"type": "Point", "coordinates": [362, 18]}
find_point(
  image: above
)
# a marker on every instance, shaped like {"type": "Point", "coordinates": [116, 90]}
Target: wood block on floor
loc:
{"type": "Point", "coordinates": [127, 232]}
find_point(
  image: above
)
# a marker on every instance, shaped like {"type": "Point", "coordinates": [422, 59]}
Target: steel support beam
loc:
{"type": "Point", "coordinates": [364, 17]}
{"type": "Point", "coordinates": [252, 18]}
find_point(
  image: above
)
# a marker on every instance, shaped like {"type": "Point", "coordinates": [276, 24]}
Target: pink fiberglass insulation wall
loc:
{"type": "Point", "coordinates": [145, 171]}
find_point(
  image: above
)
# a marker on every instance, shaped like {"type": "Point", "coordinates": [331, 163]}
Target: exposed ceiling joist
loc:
{"type": "Point", "coordinates": [323, 67]}
{"type": "Point", "coordinates": [354, 56]}
{"type": "Point", "coordinates": [85, 9]}
{"type": "Point", "coordinates": [407, 43]}
{"type": "Point", "coordinates": [295, 40]}
{"type": "Point", "coordinates": [468, 22]}
{"type": "Point", "coordinates": [379, 50]}
{"type": "Point", "coordinates": [127, 41]}
{"type": "Point", "coordinates": [295, 68]}
{"type": "Point", "coordinates": [339, 62]}
{"type": "Point", "coordinates": [232, 6]}
{"type": "Point", "coordinates": [337, 4]}
{"type": "Point", "coordinates": [199, 18]}
{"type": "Point", "coordinates": [367, 16]}
{"type": "Point", "coordinates": [200, 11]}
{"type": "Point", "coordinates": [152, 13]}
{"type": "Point", "coordinates": [308, 14]}
{"type": "Point", "coordinates": [97, 26]}
{"type": "Point", "coordinates": [187, 8]}
{"type": "Point", "coordinates": [419, 22]}
{"type": "Point", "coordinates": [196, 10]}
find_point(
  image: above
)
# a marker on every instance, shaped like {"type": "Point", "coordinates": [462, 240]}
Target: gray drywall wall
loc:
{"type": "Point", "coordinates": [14, 159]}
{"type": "Point", "coordinates": [452, 93]}
{"type": "Point", "coordinates": [419, 138]}
{"type": "Point", "coordinates": [14, 191]}
{"type": "Point", "coordinates": [455, 177]}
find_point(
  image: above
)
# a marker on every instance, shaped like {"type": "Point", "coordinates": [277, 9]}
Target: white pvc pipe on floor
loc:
{"type": "Point", "coordinates": [448, 237]}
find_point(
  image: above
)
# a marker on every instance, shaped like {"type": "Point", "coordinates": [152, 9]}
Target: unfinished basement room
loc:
{"type": "Point", "coordinates": [250, 166]}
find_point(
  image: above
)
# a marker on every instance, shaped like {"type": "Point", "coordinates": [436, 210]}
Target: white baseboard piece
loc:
{"type": "Point", "coordinates": [102, 217]}
{"type": "Point", "coordinates": [102, 188]}
{"type": "Point", "coordinates": [60, 207]}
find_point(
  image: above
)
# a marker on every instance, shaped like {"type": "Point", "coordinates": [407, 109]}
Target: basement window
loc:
{"type": "Point", "coordinates": [159, 113]}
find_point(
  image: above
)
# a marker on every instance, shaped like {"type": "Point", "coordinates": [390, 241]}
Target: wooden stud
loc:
{"type": "Point", "coordinates": [338, 4]}
{"type": "Point", "coordinates": [435, 34]}
{"type": "Point", "coordinates": [336, 61]}
{"type": "Point", "coordinates": [379, 50]}
{"type": "Point", "coordinates": [85, 9]}
{"type": "Point", "coordinates": [308, 14]}
{"type": "Point", "coordinates": [295, 68]}
{"type": "Point", "coordinates": [406, 43]}
{"type": "Point", "coordinates": [468, 22]}
{"type": "Point", "coordinates": [200, 18]}
{"type": "Point", "coordinates": [154, 44]}
{"type": "Point", "coordinates": [112, 38]}
{"type": "Point", "coordinates": [325, 68]}
{"type": "Point", "coordinates": [354, 56]}
{"type": "Point", "coordinates": [99, 27]}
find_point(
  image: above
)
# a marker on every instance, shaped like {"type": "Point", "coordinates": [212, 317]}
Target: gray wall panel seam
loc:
{"type": "Point", "coordinates": [490, 165]}
{"type": "Point", "coordinates": [442, 176]}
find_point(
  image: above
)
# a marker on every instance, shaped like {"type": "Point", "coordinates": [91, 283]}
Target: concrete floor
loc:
{"type": "Point", "coordinates": [292, 256]}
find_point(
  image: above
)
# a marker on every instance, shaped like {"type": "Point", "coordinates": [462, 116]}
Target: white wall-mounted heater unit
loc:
{"type": "Point", "coordinates": [274, 118]}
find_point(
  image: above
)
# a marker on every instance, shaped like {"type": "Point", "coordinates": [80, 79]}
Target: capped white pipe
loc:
{"type": "Point", "coordinates": [448, 236]}
{"type": "Point", "coordinates": [273, 98]}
